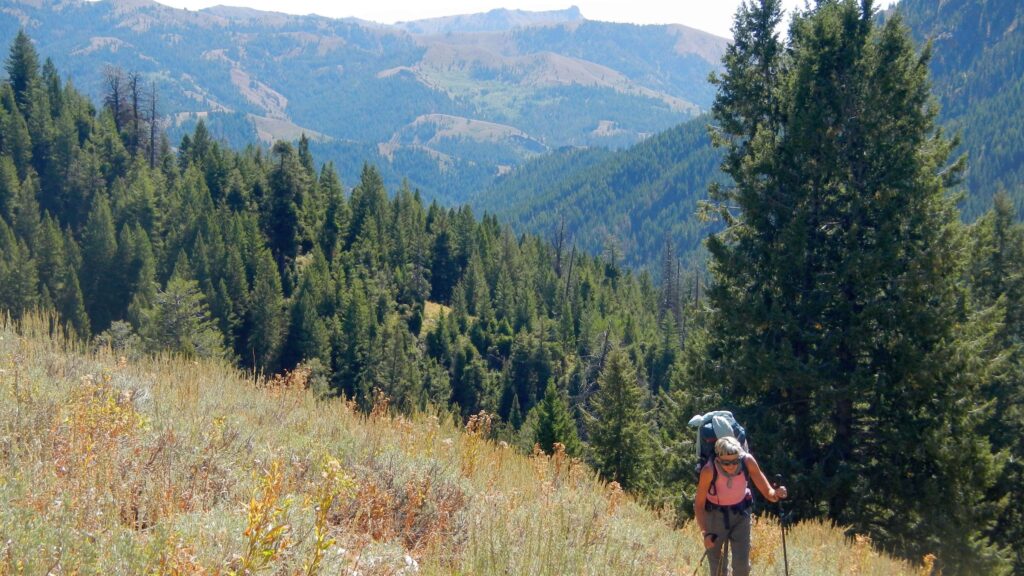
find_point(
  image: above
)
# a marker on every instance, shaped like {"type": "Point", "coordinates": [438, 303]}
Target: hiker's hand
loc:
{"type": "Point", "coordinates": [776, 494]}
{"type": "Point", "coordinates": [709, 540]}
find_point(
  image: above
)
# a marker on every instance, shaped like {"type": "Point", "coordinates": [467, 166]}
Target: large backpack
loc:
{"type": "Point", "coordinates": [712, 426]}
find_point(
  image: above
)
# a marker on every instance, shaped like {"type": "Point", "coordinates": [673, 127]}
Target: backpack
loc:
{"type": "Point", "coordinates": [712, 426]}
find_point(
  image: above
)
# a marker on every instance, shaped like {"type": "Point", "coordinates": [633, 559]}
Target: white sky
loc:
{"type": "Point", "coordinates": [713, 16]}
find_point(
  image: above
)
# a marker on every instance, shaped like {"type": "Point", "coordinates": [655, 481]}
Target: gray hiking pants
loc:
{"type": "Point", "coordinates": [719, 522]}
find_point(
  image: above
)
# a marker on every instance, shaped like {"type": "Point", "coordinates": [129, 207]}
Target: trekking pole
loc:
{"type": "Point", "coordinates": [706, 552]}
{"type": "Point", "coordinates": [701, 563]}
{"type": "Point", "coordinates": [723, 560]}
{"type": "Point", "coordinates": [782, 526]}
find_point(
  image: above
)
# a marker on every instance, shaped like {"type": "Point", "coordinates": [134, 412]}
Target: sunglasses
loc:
{"type": "Point", "coordinates": [728, 462]}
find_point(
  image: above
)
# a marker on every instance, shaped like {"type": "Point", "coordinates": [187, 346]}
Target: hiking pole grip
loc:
{"type": "Point", "coordinates": [782, 525]}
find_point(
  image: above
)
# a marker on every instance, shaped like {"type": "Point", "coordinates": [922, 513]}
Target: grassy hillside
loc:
{"type": "Point", "coordinates": [161, 466]}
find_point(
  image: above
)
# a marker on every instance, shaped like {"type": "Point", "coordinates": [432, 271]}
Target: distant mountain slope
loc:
{"type": "Point", "coordinates": [648, 193]}
{"type": "Point", "coordinates": [978, 76]}
{"type": "Point", "coordinates": [497, 20]}
{"type": "Point", "coordinates": [634, 200]}
{"type": "Point", "coordinates": [553, 78]}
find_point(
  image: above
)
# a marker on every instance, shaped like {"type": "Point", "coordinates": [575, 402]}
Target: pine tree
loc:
{"type": "Point", "coordinates": [336, 219]}
{"type": "Point", "coordinates": [555, 423]}
{"type": "Point", "coordinates": [470, 381]}
{"type": "Point", "coordinates": [309, 337]}
{"type": "Point", "coordinates": [368, 203]}
{"type": "Point", "coordinates": [142, 284]}
{"type": "Point", "coordinates": [266, 322]}
{"type": "Point", "coordinates": [99, 269]}
{"type": "Point", "coordinates": [22, 69]}
{"type": "Point", "coordinates": [529, 368]}
{"type": "Point", "coordinates": [15, 138]}
{"type": "Point", "coordinates": [179, 322]}
{"type": "Point", "coordinates": [477, 293]}
{"type": "Point", "coordinates": [10, 188]}
{"type": "Point", "coordinates": [71, 305]}
{"type": "Point", "coordinates": [19, 278]}
{"type": "Point", "coordinates": [444, 270]}
{"type": "Point", "coordinates": [26, 215]}
{"type": "Point", "coordinates": [54, 90]}
{"type": "Point", "coordinates": [836, 292]}
{"type": "Point", "coordinates": [287, 188]}
{"type": "Point", "coordinates": [393, 367]}
{"type": "Point", "coordinates": [40, 127]}
{"type": "Point", "coordinates": [49, 253]}
{"type": "Point", "coordinates": [515, 413]}
{"type": "Point", "coordinates": [237, 293]}
{"type": "Point", "coordinates": [996, 280]}
{"type": "Point", "coordinates": [354, 347]}
{"type": "Point", "coordinates": [618, 429]}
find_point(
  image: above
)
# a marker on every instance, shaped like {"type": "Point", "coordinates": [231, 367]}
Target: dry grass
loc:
{"type": "Point", "coordinates": [432, 311]}
{"type": "Point", "coordinates": [168, 466]}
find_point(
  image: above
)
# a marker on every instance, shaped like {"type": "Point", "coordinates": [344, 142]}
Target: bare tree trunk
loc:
{"type": "Point", "coordinates": [135, 96]}
{"type": "Point", "coordinates": [568, 278]}
{"type": "Point", "coordinates": [559, 243]}
{"type": "Point", "coordinates": [152, 125]}
{"type": "Point", "coordinates": [114, 99]}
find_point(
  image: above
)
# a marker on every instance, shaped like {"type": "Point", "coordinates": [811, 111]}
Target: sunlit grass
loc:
{"type": "Point", "coordinates": [169, 466]}
{"type": "Point", "coordinates": [432, 311]}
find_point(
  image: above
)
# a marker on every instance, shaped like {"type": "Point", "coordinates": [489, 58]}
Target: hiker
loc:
{"type": "Point", "coordinates": [722, 505]}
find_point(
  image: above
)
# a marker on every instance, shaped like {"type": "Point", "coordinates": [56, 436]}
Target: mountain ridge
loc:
{"type": "Point", "coordinates": [554, 76]}
{"type": "Point", "coordinates": [496, 20]}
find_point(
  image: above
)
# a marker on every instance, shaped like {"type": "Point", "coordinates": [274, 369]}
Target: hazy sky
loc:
{"type": "Point", "coordinates": [714, 16]}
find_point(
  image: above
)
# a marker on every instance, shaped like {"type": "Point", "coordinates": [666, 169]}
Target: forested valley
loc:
{"type": "Point", "coordinates": [870, 340]}
{"type": "Point", "coordinates": [641, 197]}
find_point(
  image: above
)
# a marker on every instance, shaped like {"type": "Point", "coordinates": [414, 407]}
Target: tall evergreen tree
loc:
{"type": "Point", "coordinates": [287, 188]}
{"type": "Point", "coordinates": [15, 139]}
{"type": "Point", "coordinates": [336, 219]}
{"type": "Point", "coordinates": [618, 428]}
{"type": "Point", "coordinates": [309, 337]}
{"type": "Point", "coordinates": [996, 279]}
{"type": "Point", "coordinates": [26, 219]}
{"type": "Point", "coordinates": [236, 288]}
{"type": "Point", "coordinates": [353, 350]}
{"type": "Point", "coordinates": [142, 283]}
{"type": "Point", "coordinates": [19, 278]}
{"type": "Point", "coordinates": [180, 322]}
{"type": "Point", "coordinates": [10, 187]}
{"type": "Point", "coordinates": [555, 423]}
{"type": "Point", "coordinates": [22, 69]}
{"type": "Point", "coordinates": [71, 305]}
{"type": "Point", "coordinates": [266, 322]}
{"type": "Point", "coordinates": [49, 253]}
{"type": "Point", "coordinates": [444, 271]}
{"type": "Point", "coordinates": [836, 296]}
{"type": "Point", "coordinates": [99, 270]}
{"type": "Point", "coordinates": [393, 367]}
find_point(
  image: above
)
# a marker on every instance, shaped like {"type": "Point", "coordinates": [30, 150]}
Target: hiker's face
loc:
{"type": "Point", "coordinates": [728, 461]}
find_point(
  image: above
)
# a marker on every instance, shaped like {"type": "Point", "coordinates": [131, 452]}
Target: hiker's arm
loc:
{"type": "Point", "coordinates": [770, 494]}
{"type": "Point", "coordinates": [703, 484]}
